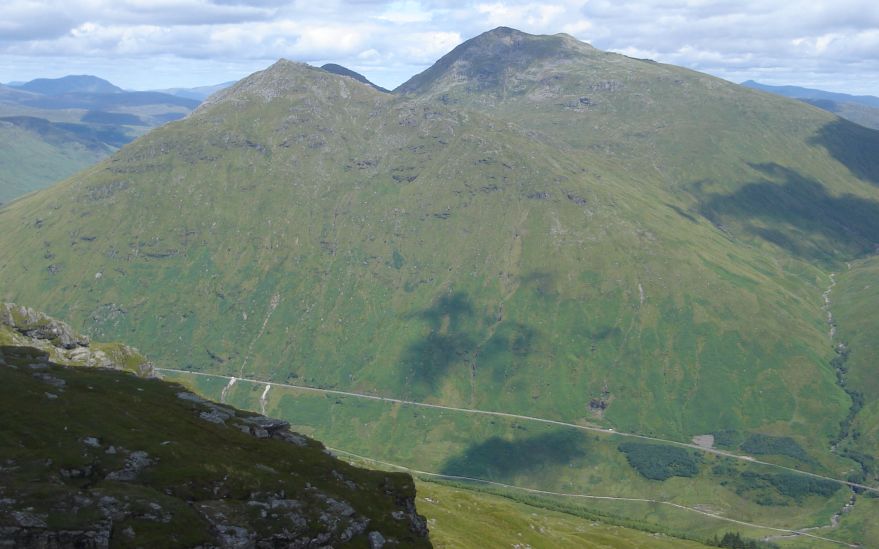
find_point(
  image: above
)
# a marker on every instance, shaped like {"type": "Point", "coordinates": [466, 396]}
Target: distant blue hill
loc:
{"type": "Point", "coordinates": [51, 128]}
{"type": "Point", "coordinates": [107, 101]}
{"type": "Point", "coordinates": [797, 92]}
{"type": "Point", "coordinates": [199, 93]}
{"type": "Point", "coordinates": [70, 84]}
{"type": "Point", "coordinates": [861, 109]}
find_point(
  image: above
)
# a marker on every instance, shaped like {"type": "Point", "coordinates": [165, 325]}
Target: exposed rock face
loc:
{"type": "Point", "coordinates": [36, 325]}
{"type": "Point", "coordinates": [22, 325]}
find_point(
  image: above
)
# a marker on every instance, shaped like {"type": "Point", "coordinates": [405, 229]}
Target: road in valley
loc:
{"type": "Point", "coordinates": [606, 431]}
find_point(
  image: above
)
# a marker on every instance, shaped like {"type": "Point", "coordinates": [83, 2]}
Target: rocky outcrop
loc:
{"type": "Point", "coordinates": [23, 326]}
{"type": "Point", "coordinates": [254, 425]}
{"type": "Point", "coordinates": [36, 325]}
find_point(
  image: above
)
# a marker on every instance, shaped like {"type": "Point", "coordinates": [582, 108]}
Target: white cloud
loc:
{"type": "Point", "coordinates": [405, 13]}
{"type": "Point", "coordinates": [817, 42]}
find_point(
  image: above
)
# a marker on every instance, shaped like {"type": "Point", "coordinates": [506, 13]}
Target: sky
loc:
{"type": "Point", "coordinates": [156, 44]}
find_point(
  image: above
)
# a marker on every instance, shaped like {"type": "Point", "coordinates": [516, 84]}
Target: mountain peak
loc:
{"type": "Point", "coordinates": [488, 58]}
{"type": "Point", "coordinates": [267, 84]}
{"type": "Point", "coordinates": [500, 32]}
{"type": "Point", "coordinates": [287, 78]}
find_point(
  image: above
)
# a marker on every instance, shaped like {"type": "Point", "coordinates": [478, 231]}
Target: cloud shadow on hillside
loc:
{"type": "Point", "coordinates": [543, 283]}
{"type": "Point", "coordinates": [458, 336]}
{"type": "Point", "coordinates": [448, 341]}
{"type": "Point", "coordinates": [503, 460]}
{"type": "Point", "coordinates": [796, 213]}
{"type": "Point", "coordinates": [505, 350]}
{"type": "Point", "coordinates": [854, 146]}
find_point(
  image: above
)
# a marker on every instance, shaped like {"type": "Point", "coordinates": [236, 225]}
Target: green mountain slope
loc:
{"type": "Point", "coordinates": [787, 184]}
{"type": "Point", "coordinates": [530, 226]}
{"type": "Point", "coordinates": [35, 153]}
{"type": "Point", "coordinates": [852, 304]}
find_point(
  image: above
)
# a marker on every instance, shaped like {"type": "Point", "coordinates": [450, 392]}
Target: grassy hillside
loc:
{"type": "Point", "coordinates": [459, 517]}
{"type": "Point", "coordinates": [853, 302]}
{"type": "Point", "coordinates": [352, 275]}
{"type": "Point", "coordinates": [532, 226]}
{"type": "Point", "coordinates": [33, 160]}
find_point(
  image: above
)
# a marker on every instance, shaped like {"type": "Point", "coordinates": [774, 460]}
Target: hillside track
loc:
{"type": "Point", "coordinates": [605, 431]}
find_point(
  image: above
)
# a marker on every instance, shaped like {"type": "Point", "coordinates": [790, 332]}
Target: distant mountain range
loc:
{"type": "Point", "coordinates": [69, 84]}
{"type": "Point", "coordinates": [199, 93]}
{"type": "Point", "coordinates": [95, 94]}
{"type": "Point", "coordinates": [51, 128]}
{"type": "Point", "coordinates": [862, 109]}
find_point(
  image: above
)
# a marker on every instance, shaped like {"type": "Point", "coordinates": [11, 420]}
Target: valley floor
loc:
{"type": "Point", "coordinates": [464, 518]}
{"type": "Point", "coordinates": [697, 511]}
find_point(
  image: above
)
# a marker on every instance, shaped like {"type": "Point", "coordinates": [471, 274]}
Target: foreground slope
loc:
{"type": "Point", "coordinates": [138, 511]}
{"type": "Point", "coordinates": [57, 341]}
{"type": "Point", "coordinates": [92, 457]}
